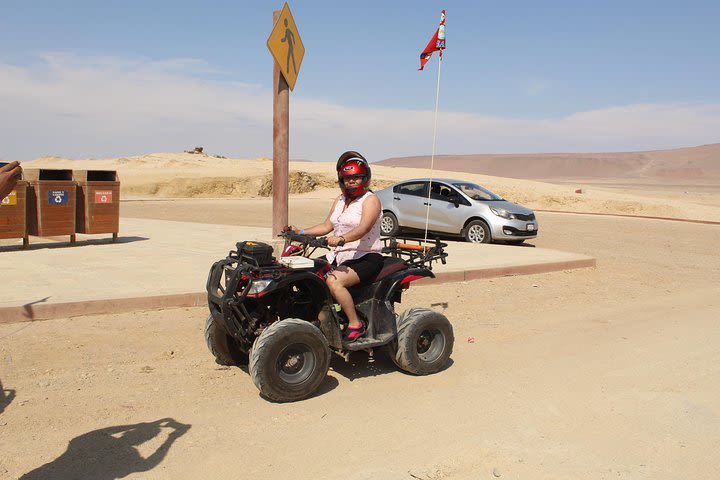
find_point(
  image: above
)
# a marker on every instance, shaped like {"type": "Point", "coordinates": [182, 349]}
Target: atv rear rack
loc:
{"type": "Point", "coordinates": [414, 251]}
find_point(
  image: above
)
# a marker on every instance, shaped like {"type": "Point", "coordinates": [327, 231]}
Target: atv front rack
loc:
{"type": "Point", "coordinates": [415, 251]}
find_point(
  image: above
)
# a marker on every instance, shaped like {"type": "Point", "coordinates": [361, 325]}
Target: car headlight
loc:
{"type": "Point", "coordinates": [501, 212]}
{"type": "Point", "coordinates": [258, 286]}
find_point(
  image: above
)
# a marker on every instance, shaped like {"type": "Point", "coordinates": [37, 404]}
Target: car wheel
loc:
{"type": "Point", "coordinates": [289, 360]}
{"type": "Point", "coordinates": [478, 231]}
{"type": "Point", "coordinates": [424, 342]}
{"type": "Point", "coordinates": [223, 347]}
{"type": "Point", "coordinates": [389, 224]}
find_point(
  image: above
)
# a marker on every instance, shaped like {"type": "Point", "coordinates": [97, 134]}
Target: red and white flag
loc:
{"type": "Point", "coordinates": [436, 43]}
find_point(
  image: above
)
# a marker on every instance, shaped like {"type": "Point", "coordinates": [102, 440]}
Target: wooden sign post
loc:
{"type": "Point", "coordinates": [288, 51]}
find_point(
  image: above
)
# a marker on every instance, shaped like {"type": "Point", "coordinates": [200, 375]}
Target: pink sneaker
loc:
{"type": "Point", "coordinates": [353, 333]}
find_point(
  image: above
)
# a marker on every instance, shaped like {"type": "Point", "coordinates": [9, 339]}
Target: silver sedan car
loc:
{"type": "Point", "coordinates": [456, 207]}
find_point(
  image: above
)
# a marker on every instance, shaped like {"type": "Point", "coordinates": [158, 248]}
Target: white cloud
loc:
{"type": "Point", "coordinates": [105, 107]}
{"type": "Point", "coordinates": [535, 87]}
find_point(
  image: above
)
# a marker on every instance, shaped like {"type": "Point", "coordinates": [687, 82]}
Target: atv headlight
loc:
{"type": "Point", "coordinates": [258, 286]}
{"type": "Point", "coordinates": [501, 212]}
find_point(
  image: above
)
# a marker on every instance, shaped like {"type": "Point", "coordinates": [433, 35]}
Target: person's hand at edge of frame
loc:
{"type": "Point", "coordinates": [9, 176]}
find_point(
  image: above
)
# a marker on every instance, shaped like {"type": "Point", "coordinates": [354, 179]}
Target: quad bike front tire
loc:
{"type": "Point", "coordinates": [289, 360]}
{"type": "Point", "coordinates": [424, 343]}
{"type": "Point", "coordinates": [223, 347]}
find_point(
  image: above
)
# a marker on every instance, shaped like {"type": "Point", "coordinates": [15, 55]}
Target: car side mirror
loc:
{"type": "Point", "coordinates": [455, 200]}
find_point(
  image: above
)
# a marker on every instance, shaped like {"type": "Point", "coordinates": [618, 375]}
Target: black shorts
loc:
{"type": "Point", "coordinates": [366, 267]}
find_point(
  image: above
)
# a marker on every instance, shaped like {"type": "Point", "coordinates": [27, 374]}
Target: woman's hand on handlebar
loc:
{"type": "Point", "coordinates": [334, 241]}
{"type": "Point", "coordinates": [293, 234]}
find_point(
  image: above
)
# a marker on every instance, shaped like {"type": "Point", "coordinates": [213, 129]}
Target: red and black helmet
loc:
{"type": "Point", "coordinates": [352, 164]}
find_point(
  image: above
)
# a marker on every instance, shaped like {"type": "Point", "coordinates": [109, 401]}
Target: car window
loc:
{"type": "Point", "coordinates": [417, 189]}
{"type": "Point", "coordinates": [476, 192]}
{"type": "Point", "coordinates": [440, 191]}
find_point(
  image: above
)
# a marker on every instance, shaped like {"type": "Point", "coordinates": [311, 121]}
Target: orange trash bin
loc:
{"type": "Point", "coordinates": [98, 202]}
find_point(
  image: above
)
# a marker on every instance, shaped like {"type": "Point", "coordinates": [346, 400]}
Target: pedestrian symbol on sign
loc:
{"type": "Point", "coordinates": [290, 38]}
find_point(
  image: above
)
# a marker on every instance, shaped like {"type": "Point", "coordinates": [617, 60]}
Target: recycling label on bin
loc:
{"type": "Point", "coordinates": [11, 199]}
{"type": "Point", "coordinates": [58, 197]}
{"type": "Point", "coordinates": [103, 196]}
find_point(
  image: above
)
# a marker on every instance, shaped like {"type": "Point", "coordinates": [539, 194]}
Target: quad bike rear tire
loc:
{"type": "Point", "coordinates": [424, 343]}
{"type": "Point", "coordinates": [223, 347]}
{"type": "Point", "coordinates": [289, 360]}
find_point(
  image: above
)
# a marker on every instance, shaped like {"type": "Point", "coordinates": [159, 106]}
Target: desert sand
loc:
{"type": "Point", "coordinates": [603, 373]}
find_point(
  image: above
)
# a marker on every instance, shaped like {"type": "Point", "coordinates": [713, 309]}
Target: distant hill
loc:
{"type": "Point", "coordinates": [694, 164]}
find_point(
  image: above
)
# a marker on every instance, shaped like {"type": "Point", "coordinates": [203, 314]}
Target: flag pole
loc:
{"type": "Point", "coordinates": [432, 157]}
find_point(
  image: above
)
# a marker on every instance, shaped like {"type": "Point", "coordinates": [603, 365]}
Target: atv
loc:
{"type": "Point", "coordinates": [278, 316]}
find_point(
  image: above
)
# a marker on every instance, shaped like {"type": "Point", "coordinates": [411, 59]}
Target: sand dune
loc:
{"type": "Point", "coordinates": [182, 175]}
{"type": "Point", "coordinates": [699, 165]}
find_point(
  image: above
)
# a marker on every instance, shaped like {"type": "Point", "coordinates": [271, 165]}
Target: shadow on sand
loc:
{"type": "Point", "coordinates": [362, 365]}
{"type": "Point", "coordinates": [111, 453]}
{"type": "Point", "coordinates": [419, 235]}
{"type": "Point", "coordinates": [78, 243]}
{"type": "Point", "coordinates": [6, 397]}
{"type": "Point", "coordinates": [328, 385]}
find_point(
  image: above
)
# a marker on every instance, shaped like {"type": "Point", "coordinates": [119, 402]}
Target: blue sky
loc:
{"type": "Point", "coordinates": [88, 80]}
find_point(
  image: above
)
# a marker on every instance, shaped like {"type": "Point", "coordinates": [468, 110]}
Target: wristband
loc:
{"type": "Point", "coordinates": [341, 243]}
{"type": "Point", "coordinates": [302, 231]}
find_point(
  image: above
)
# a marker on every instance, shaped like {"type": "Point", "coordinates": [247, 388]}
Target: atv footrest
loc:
{"type": "Point", "coordinates": [362, 343]}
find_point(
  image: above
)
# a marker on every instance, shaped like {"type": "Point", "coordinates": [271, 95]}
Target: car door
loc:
{"type": "Point", "coordinates": [457, 216]}
{"type": "Point", "coordinates": [409, 201]}
{"type": "Point", "coordinates": [444, 215]}
{"type": "Point", "coordinates": [442, 209]}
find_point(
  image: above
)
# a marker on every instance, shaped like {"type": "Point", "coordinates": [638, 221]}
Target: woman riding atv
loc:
{"type": "Point", "coordinates": [354, 221]}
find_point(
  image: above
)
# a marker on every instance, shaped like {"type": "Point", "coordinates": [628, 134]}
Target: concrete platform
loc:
{"type": "Point", "coordinates": [159, 264]}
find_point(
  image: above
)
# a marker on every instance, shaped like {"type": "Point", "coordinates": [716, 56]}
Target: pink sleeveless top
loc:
{"type": "Point", "coordinates": [343, 222]}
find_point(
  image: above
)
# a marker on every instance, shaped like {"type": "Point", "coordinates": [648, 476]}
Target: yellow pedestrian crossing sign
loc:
{"type": "Point", "coordinates": [286, 46]}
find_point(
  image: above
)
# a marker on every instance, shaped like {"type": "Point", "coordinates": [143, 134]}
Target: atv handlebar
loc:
{"type": "Point", "coordinates": [412, 251]}
{"type": "Point", "coordinates": [309, 240]}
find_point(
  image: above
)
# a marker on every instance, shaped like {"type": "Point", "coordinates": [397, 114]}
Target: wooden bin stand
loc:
{"type": "Point", "coordinates": [98, 202]}
{"type": "Point", "coordinates": [51, 203]}
{"type": "Point", "coordinates": [13, 214]}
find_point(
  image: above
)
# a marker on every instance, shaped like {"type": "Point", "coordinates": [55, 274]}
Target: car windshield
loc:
{"type": "Point", "coordinates": [476, 192]}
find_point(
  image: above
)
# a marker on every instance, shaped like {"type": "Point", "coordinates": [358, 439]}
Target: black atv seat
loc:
{"type": "Point", "coordinates": [390, 266]}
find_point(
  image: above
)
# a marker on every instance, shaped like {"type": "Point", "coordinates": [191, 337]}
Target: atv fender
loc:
{"type": "Point", "coordinates": [384, 315]}
{"type": "Point", "coordinates": [397, 281]}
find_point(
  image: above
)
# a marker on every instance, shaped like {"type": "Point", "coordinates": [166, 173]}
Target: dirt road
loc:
{"type": "Point", "coordinates": [601, 373]}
